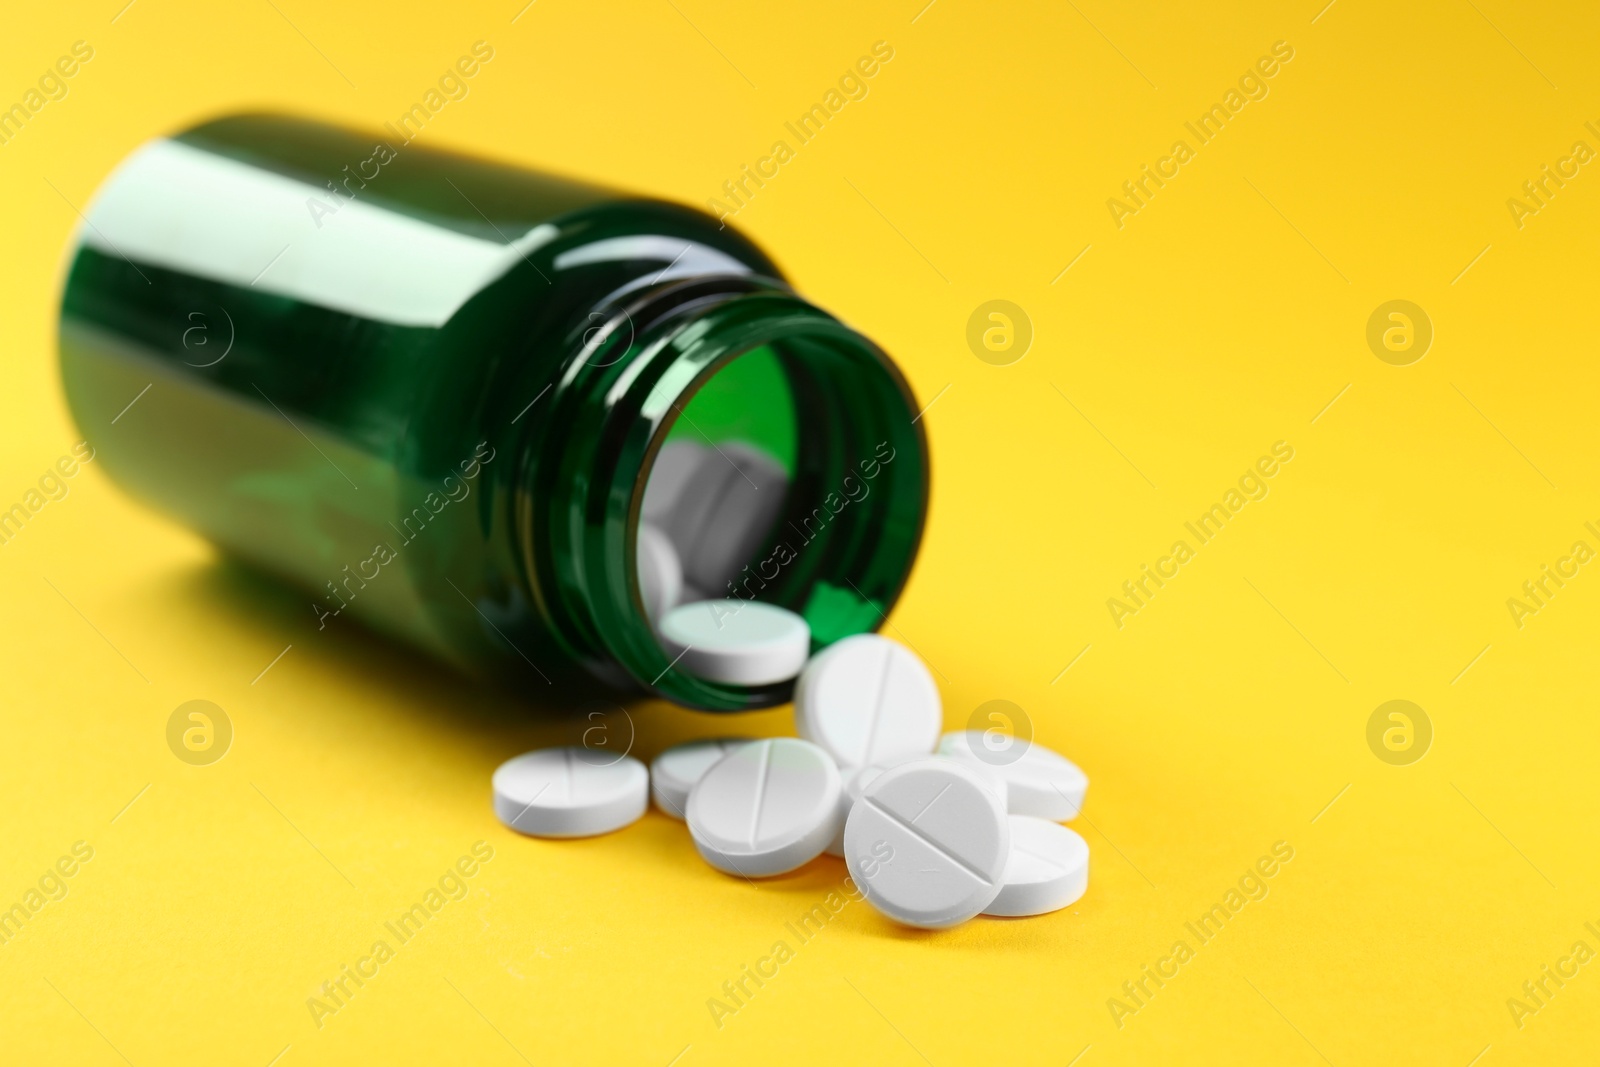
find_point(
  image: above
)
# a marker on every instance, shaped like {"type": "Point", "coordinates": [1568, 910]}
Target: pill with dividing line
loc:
{"type": "Point", "coordinates": [867, 699]}
{"type": "Point", "coordinates": [674, 772]}
{"type": "Point", "coordinates": [853, 781]}
{"type": "Point", "coordinates": [1048, 868]}
{"type": "Point", "coordinates": [765, 808]}
{"type": "Point", "coordinates": [1039, 782]}
{"type": "Point", "coordinates": [739, 642]}
{"type": "Point", "coordinates": [928, 842]}
{"type": "Point", "coordinates": [571, 791]}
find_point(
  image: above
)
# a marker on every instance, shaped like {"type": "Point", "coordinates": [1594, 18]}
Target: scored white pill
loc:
{"type": "Point", "coordinates": [745, 501]}
{"type": "Point", "coordinates": [867, 699]}
{"type": "Point", "coordinates": [852, 782]}
{"type": "Point", "coordinates": [927, 843]}
{"type": "Point", "coordinates": [691, 479]}
{"type": "Point", "coordinates": [1048, 868]}
{"type": "Point", "coordinates": [740, 642]}
{"type": "Point", "coordinates": [717, 503]}
{"type": "Point", "coordinates": [570, 792]}
{"type": "Point", "coordinates": [1039, 782]}
{"type": "Point", "coordinates": [765, 808]}
{"type": "Point", "coordinates": [660, 572]}
{"type": "Point", "coordinates": [674, 772]}
{"type": "Point", "coordinates": [673, 471]}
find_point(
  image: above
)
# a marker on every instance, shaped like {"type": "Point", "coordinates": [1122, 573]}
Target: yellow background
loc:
{"type": "Point", "coordinates": [1223, 717]}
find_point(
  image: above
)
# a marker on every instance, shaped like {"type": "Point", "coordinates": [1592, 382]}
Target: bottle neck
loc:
{"type": "Point", "coordinates": [845, 539]}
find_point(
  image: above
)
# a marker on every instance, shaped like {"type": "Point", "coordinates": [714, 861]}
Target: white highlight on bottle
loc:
{"type": "Point", "coordinates": [174, 205]}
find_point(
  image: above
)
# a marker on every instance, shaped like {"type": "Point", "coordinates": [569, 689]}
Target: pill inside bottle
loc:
{"type": "Point", "coordinates": [728, 517]}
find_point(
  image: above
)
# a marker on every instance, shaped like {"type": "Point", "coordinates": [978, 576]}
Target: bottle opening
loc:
{"type": "Point", "coordinates": [775, 480]}
{"type": "Point", "coordinates": [796, 425]}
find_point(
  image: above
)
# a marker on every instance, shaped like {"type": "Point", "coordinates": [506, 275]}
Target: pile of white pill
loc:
{"type": "Point", "coordinates": [932, 831]}
{"type": "Point", "coordinates": [935, 829]}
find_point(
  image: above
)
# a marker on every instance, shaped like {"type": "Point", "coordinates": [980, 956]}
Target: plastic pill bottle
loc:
{"type": "Point", "coordinates": [429, 390]}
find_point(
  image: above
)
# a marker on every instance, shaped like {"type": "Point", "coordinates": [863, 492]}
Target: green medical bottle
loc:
{"type": "Point", "coordinates": [430, 390]}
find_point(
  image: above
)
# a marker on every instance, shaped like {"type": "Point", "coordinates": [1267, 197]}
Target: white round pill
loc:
{"type": "Point", "coordinates": [740, 642]}
{"type": "Point", "coordinates": [765, 808]}
{"type": "Point", "coordinates": [660, 572]}
{"type": "Point", "coordinates": [1048, 868]}
{"type": "Point", "coordinates": [927, 843]}
{"type": "Point", "coordinates": [674, 772]}
{"type": "Point", "coordinates": [745, 501]}
{"type": "Point", "coordinates": [867, 699]}
{"type": "Point", "coordinates": [570, 792]}
{"type": "Point", "coordinates": [1039, 782]}
{"type": "Point", "coordinates": [674, 470]}
{"type": "Point", "coordinates": [692, 480]}
{"type": "Point", "coordinates": [852, 782]}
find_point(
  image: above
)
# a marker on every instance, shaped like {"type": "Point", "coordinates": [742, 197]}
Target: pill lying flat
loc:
{"type": "Point", "coordinates": [740, 642]}
{"type": "Point", "coordinates": [927, 843]}
{"type": "Point", "coordinates": [1048, 868]}
{"type": "Point", "coordinates": [765, 808]}
{"type": "Point", "coordinates": [867, 699]}
{"type": "Point", "coordinates": [674, 772]}
{"type": "Point", "coordinates": [1039, 782]}
{"type": "Point", "coordinates": [570, 792]}
{"type": "Point", "coordinates": [660, 572]}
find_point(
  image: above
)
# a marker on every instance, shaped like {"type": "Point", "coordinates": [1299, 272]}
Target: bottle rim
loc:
{"type": "Point", "coordinates": [842, 551]}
